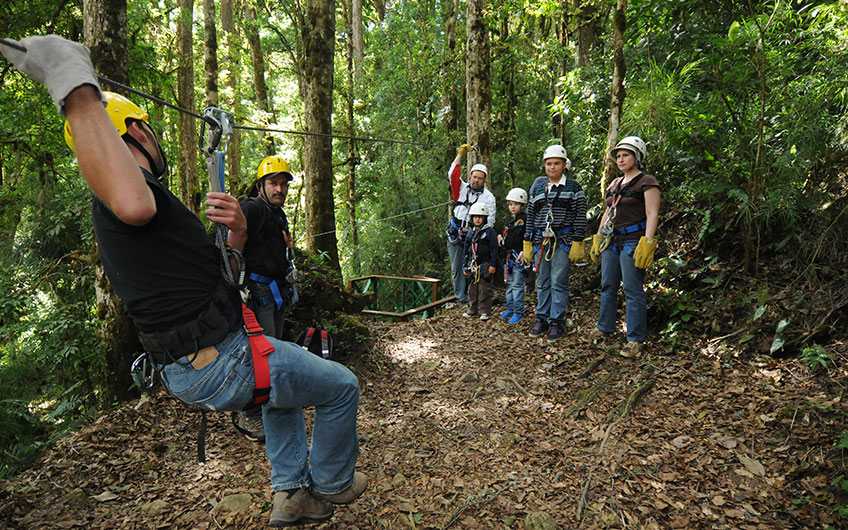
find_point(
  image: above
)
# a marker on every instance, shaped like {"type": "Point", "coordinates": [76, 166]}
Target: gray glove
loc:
{"type": "Point", "coordinates": [57, 63]}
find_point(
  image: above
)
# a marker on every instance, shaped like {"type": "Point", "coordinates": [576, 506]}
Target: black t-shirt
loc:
{"type": "Point", "coordinates": [167, 271]}
{"type": "Point", "coordinates": [265, 250]}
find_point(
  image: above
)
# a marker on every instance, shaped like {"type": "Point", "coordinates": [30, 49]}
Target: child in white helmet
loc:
{"type": "Point", "coordinates": [514, 265]}
{"type": "Point", "coordinates": [556, 223]}
{"type": "Point", "coordinates": [481, 259]}
{"type": "Point", "coordinates": [625, 243]}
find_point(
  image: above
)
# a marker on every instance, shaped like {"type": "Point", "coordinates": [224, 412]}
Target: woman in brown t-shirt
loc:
{"type": "Point", "coordinates": [625, 243]}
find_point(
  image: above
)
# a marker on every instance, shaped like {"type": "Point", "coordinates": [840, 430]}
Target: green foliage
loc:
{"type": "Point", "coordinates": [816, 358]}
{"type": "Point", "coordinates": [671, 305]}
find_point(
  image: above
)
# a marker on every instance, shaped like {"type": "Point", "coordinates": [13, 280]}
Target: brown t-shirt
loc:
{"type": "Point", "coordinates": [631, 206]}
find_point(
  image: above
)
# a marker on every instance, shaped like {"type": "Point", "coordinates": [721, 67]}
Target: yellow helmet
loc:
{"type": "Point", "coordinates": [119, 110]}
{"type": "Point", "coordinates": [272, 165]}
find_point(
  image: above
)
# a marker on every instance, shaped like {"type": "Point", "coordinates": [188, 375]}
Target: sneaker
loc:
{"type": "Point", "coordinates": [631, 350]}
{"type": "Point", "coordinates": [515, 318]}
{"type": "Point", "coordinates": [505, 315]}
{"type": "Point", "coordinates": [298, 506]}
{"type": "Point", "coordinates": [360, 482]}
{"type": "Point", "coordinates": [468, 314]}
{"type": "Point", "coordinates": [449, 305]}
{"type": "Point", "coordinates": [556, 332]}
{"type": "Point", "coordinates": [251, 427]}
{"type": "Point", "coordinates": [484, 316]}
{"type": "Point", "coordinates": [539, 328]}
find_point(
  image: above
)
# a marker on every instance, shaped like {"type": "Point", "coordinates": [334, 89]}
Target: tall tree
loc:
{"type": "Point", "coordinates": [105, 30]}
{"type": "Point", "coordinates": [189, 186]}
{"type": "Point", "coordinates": [210, 53]}
{"type": "Point", "coordinates": [617, 90]}
{"type": "Point", "coordinates": [477, 80]}
{"type": "Point", "coordinates": [356, 38]}
{"type": "Point", "coordinates": [588, 31]}
{"type": "Point", "coordinates": [233, 45]}
{"type": "Point", "coordinates": [352, 155]}
{"type": "Point", "coordinates": [260, 86]}
{"type": "Point", "coordinates": [317, 34]}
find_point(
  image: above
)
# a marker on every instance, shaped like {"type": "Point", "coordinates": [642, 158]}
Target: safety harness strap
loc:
{"type": "Point", "coordinates": [260, 348]}
{"type": "Point", "coordinates": [632, 228]}
{"type": "Point", "coordinates": [272, 284]}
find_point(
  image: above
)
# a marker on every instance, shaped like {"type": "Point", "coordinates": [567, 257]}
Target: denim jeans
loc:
{"type": "Point", "coordinates": [268, 316]}
{"type": "Point", "coordinates": [298, 379]}
{"type": "Point", "coordinates": [552, 283]}
{"type": "Point", "coordinates": [618, 268]}
{"type": "Point", "coordinates": [457, 256]}
{"type": "Point", "coordinates": [515, 292]}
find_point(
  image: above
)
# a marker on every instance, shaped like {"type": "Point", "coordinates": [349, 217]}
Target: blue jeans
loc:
{"type": "Point", "coordinates": [618, 268]}
{"type": "Point", "coordinates": [457, 256]}
{"type": "Point", "coordinates": [515, 292]}
{"type": "Point", "coordinates": [298, 379]}
{"type": "Point", "coordinates": [552, 283]}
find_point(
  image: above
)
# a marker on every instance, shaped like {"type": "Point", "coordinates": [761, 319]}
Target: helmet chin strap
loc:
{"type": "Point", "coordinates": [158, 173]}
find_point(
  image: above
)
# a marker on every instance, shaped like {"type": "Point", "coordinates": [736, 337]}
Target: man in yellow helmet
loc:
{"type": "Point", "coordinates": [160, 262]}
{"type": "Point", "coordinates": [267, 256]}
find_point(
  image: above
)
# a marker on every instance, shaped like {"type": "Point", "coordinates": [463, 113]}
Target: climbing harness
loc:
{"type": "Point", "coordinates": [608, 229]}
{"type": "Point", "coordinates": [512, 262]}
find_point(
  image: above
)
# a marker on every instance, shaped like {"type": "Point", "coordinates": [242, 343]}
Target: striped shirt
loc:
{"type": "Point", "coordinates": [566, 204]}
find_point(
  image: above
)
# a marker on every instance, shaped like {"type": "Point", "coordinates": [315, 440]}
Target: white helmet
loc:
{"type": "Point", "coordinates": [635, 145]}
{"type": "Point", "coordinates": [557, 151]}
{"type": "Point", "coordinates": [478, 208]}
{"type": "Point", "coordinates": [479, 167]}
{"type": "Point", "coordinates": [517, 195]}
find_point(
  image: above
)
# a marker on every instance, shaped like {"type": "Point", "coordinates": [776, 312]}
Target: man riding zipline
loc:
{"type": "Point", "coordinates": [160, 262]}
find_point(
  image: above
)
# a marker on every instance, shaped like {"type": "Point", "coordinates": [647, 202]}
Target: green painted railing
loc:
{"type": "Point", "coordinates": [400, 297]}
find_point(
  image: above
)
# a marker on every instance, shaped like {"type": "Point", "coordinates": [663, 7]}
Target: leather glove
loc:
{"type": "Point", "coordinates": [577, 252]}
{"type": "Point", "coordinates": [595, 252]}
{"type": "Point", "coordinates": [462, 149]}
{"type": "Point", "coordinates": [57, 63]}
{"type": "Point", "coordinates": [644, 255]}
{"type": "Point", "coordinates": [528, 251]}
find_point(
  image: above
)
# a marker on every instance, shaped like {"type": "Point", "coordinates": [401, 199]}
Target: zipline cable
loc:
{"type": "Point", "coordinates": [379, 220]}
{"type": "Point", "coordinates": [164, 103]}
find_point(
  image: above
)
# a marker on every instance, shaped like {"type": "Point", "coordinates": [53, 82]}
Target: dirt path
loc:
{"type": "Point", "coordinates": [466, 425]}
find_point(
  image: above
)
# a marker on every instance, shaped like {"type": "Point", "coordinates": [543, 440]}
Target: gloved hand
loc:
{"type": "Point", "coordinates": [595, 252]}
{"type": "Point", "coordinates": [57, 63]}
{"type": "Point", "coordinates": [644, 255]}
{"type": "Point", "coordinates": [577, 252]}
{"type": "Point", "coordinates": [462, 149]}
{"type": "Point", "coordinates": [528, 251]}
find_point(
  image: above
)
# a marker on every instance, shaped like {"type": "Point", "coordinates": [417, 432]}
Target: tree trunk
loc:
{"type": "Point", "coordinates": [562, 67]}
{"type": "Point", "coordinates": [451, 77]}
{"type": "Point", "coordinates": [356, 39]}
{"type": "Point", "coordinates": [477, 81]}
{"type": "Point", "coordinates": [210, 53]}
{"type": "Point", "coordinates": [233, 45]}
{"type": "Point", "coordinates": [617, 100]}
{"type": "Point", "coordinates": [105, 30]}
{"type": "Point", "coordinates": [259, 84]}
{"type": "Point", "coordinates": [511, 101]}
{"type": "Point", "coordinates": [587, 33]}
{"type": "Point", "coordinates": [318, 35]}
{"type": "Point", "coordinates": [189, 186]}
{"type": "Point", "coordinates": [353, 155]}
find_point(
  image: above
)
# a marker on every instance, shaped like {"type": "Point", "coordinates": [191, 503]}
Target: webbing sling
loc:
{"type": "Point", "coordinates": [260, 348]}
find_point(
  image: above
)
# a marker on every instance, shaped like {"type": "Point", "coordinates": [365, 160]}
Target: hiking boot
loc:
{"type": "Point", "coordinates": [251, 427]}
{"type": "Point", "coordinates": [505, 315]}
{"type": "Point", "coordinates": [484, 316]}
{"type": "Point", "coordinates": [631, 350]}
{"type": "Point", "coordinates": [514, 318]}
{"type": "Point", "coordinates": [298, 506]}
{"type": "Point", "coordinates": [556, 331]}
{"type": "Point", "coordinates": [539, 328]}
{"type": "Point", "coordinates": [360, 482]}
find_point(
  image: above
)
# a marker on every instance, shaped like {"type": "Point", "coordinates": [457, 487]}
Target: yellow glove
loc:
{"type": "Point", "coordinates": [577, 252]}
{"type": "Point", "coordinates": [528, 252]}
{"type": "Point", "coordinates": [644, 255]}
{"type": "Point", "coordinates": [595, 252]}
{"type": "Point", "coordinates": [462, 149]}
